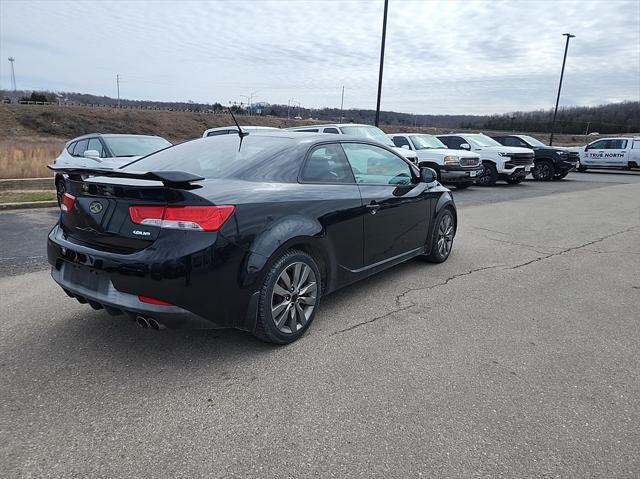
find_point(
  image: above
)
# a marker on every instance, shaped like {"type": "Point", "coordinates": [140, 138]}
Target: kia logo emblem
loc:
{"type": "Point", "coordinates": [95, 207]}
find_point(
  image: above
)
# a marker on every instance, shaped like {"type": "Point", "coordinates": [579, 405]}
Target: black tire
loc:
{"type": "Point", "coordinates": [439, 254]}
{"type": "Point", "coordinates": [561, 176]}
{"type": "Point", "coordinates": [266, 327]}
{"type": "Point", "coordinates": [543, 170]}
{"type": "Point", "coordinates": [580, 168]}
{"type": "Point", "coordinates": [463, 185]}
{"type": "Point", "coordinates": [61, 189]}
{"type": "Point", "coordinates": [489, 175]}
{"type": "Point", "coordinates": [515, 181]}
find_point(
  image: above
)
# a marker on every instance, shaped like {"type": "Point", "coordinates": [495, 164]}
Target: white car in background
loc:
{"type": "Point", "coordinates": [225, 130]}
{"type": "Point", "coordinates": [619, 152]}
{"type": "Point", "coordinates": [98, 150]}
{"type": "Point", "coordinates": [509, 163]}
{"type": "Point", "coordinates": [367, 132]}
{"type": "Point", "coordinates": [457, 167]}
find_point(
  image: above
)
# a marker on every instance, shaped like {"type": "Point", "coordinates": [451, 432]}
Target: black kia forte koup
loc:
{"type": "Point", "coordinates": [245, 232]}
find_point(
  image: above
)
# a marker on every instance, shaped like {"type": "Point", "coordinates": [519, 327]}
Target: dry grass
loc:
{"type": "Point", "coordinates": [28, 157]}
{"type": "Point", "coordinates": [12, 196]}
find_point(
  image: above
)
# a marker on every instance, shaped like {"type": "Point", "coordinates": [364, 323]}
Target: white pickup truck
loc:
{"type": "Point", "coordinates": [619, 152]}
{"type": "Point", "coordinates": [509, 163]}
{"type": "Point", "coordinates": [456, 167]}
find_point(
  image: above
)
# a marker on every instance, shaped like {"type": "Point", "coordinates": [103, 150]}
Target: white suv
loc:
{"type": "Point", "coordinates": [457, 167]}
{"type": "Point", "coordinates": [367, 132]}
{"type": "Point", "coordinates": [509, 163]}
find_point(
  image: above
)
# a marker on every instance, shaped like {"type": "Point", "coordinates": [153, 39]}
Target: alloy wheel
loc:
{"type": "Point", "coordinates": [294, 297]}
{"type": "Point", "coordinates": [445, 235]}
{"type": "Point", "coordinates": [542, 170]}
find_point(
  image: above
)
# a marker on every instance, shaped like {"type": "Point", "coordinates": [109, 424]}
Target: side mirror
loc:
{"type": "Point", "coordinates": [406, 147]}
{"type": "Point", "coordinates": [465, 146]}
{"type": "Point", "coordinates": [91, 154]}
{"type": "Point", "coordinates": [428, 175]}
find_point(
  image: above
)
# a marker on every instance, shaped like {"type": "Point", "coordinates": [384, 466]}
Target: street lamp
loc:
{"type": "Point", "coordinates": [384, 35]}
{"type": "Point", "coordinates": [564, 60]}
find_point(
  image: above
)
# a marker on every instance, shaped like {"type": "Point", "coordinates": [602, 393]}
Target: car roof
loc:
{"type": "Point", "coordinates": [234, 127]}
{"type": "Point", "coordinates": [325, 125]}
{"type": "Point", "coordinates": [111, 135]}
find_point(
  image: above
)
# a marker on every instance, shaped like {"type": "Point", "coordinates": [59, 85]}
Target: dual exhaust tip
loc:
{"type": "Point", "coordinates": [147, 323]}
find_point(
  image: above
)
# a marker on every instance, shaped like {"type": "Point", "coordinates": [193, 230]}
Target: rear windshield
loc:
{"type": "Point", "coordinates": [123, 146]}
{"type": "Point", "coordinates": [218, 156]}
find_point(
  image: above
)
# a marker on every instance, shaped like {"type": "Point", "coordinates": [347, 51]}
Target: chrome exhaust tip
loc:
{"type": "Point", "coordinates": [155, 324]}
{"type": "Point", "coordinates": [142, 322]}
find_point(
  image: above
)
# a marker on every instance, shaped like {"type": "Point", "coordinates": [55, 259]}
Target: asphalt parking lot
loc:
{"type": "Point", "coordinates": [518, 357]}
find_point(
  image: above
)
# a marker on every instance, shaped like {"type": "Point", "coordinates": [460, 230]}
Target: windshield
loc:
{"type": "Point", "coordinates": [481, 140]}
{"type": "Point", "coordinates": [426, 142]}
{"type": "Point", "coordinates": [532, 141]}
{"type": "Point", "coordinates": [135, 145]}
{"type": "Point", "coordinates": [368, 132]}
{"type": "Point", "coordinates": [215, 157]}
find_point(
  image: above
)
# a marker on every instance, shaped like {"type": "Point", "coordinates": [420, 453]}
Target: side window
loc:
{"type": "Point", "coordinates": [636, 145]}
{"type": "Point", "coordinates": [598, 145]}
{"type": "Point", "coordinates": [71, 147]}
{"type": "Point", "coordinates": [331, 130]}
{"type": "Point", "coordinates": [96, 144]}
{"type": "Point", "coordinates": [218, 133]}
{"type": "Point", "coordinates": [373, 165]}
{"type": "Point", "coordinates": [401, 141]}
{"type": "Point", "coordinates": [510, 141]}
{"type": "Point", "coordinates": [616, 144]}
{"type": "Point", "coordinates": [80, 148]}
{"type": "Point", "coordinates": [327, 164]}
{"type": "Point", "coordinates": [452, 142]}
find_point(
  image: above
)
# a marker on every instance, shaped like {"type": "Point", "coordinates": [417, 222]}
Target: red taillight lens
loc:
{"type": "Point", "coordinates": [157, 302]}
{"type": "Point", "coordinates": [67, 202]}
{"type": "Point", "coordinates": [198, 218]}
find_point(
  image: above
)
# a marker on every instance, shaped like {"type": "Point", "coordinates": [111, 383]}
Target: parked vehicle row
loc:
{"type": "Point", "coordinates": [619, 153]}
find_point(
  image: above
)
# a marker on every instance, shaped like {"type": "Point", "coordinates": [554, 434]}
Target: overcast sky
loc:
{"type": "Point", "coordinates": [441, 56]}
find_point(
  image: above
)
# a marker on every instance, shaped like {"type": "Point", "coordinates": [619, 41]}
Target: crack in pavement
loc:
{"type": "Point", "coordinates": [515, 243]}
{"type": "Point", "coordinates": [574, 248]}
{"type": "Point", "coordinates": [399, 297]}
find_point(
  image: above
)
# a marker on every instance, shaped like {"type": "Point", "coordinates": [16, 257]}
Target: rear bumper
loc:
{"type": "Point", "coordinates": [199, 278]}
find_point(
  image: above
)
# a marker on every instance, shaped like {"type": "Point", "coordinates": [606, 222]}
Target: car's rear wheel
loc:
{"type": "Point", "coordinates": [543, 170]}
{"type": "Point", "coordinates": [61, 189]}
{"type": "Point", "coordinates": [443, 234]}
{"type": "Point", "coordinates": [463, 185]}
{"type": "Point", "coordinates": [489, 175]}
{"type": "Point", "coordinates": [289, 298]}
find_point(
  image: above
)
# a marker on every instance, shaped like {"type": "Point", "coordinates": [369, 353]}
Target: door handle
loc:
{"type": "Point", "coordinates": [373, 207]}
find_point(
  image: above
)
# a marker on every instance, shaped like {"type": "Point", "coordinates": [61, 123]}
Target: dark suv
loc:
{"type": "Point", "coordinates": [550, 163]}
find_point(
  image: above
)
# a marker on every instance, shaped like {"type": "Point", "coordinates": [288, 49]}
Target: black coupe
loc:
{"type": "Point", "coordinates": [244, 231]}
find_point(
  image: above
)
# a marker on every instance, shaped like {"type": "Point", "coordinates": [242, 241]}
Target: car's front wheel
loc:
{"type": "Point", "coordinates": [561, 175]}
{"type": "Point", "coordinates": [580, 167]}
{"type": "Point", "coordinates": [543, 170]}
{"type": "Point", "coordinates": [443, 234]}
{"type": "Point", "coordinates": [489, 175]}
{"type": "Point", "coordinates": [516, 180]}
{"type": "Point", "coordinates": [289, 298]}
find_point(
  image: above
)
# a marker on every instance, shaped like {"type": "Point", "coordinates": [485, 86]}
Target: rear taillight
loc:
{"type": "Point", "coordinates": [197, 218]}
{"type": "Point", "coordinates": [157, 302]}
{"type": "Point", "coordinates": [67, 202]}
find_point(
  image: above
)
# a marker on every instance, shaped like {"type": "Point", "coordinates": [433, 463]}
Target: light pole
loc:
{"type": "Point", "coordinates": [342, 104]}
{"type": "Point", "coordinates": [289, 106]}
{"type": "Point", "coordinates": [564, 60]}
{"type": "Point", "coordinates": [118, 87]}
{"type": "Point", "coordinates": [250, 99]}
{"type": "Point", "coordinates": [13, 73]}
{"type": "Point", "coordinates": [384, 35]}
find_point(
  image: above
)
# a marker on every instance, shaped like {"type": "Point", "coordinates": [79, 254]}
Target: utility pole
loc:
{"type": "Point", "coordinates": [564, 60]}
{"type": "Point", "coordinates": [384, 35]}
{"type": "Point", "coordinates": [342, 105]}
{"type": "Point", "coordinates": [586, 132]}
{"type": "Point", "coordinates": [291, 100]}
{"type": "Point", "coordinates": [118, 86]}
{"type": "Point", "coordinates": [13, 74]}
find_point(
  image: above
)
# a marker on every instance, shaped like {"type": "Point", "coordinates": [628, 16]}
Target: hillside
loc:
{"type": "Point", "coordinates": [31, 136]}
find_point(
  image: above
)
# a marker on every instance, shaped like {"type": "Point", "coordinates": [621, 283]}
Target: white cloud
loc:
{"type": "Point", "coordinates": [441, 56]}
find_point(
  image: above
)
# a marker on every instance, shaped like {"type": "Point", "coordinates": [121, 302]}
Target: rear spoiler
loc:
{"type": "Point", "coordinates": [174, 179]}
